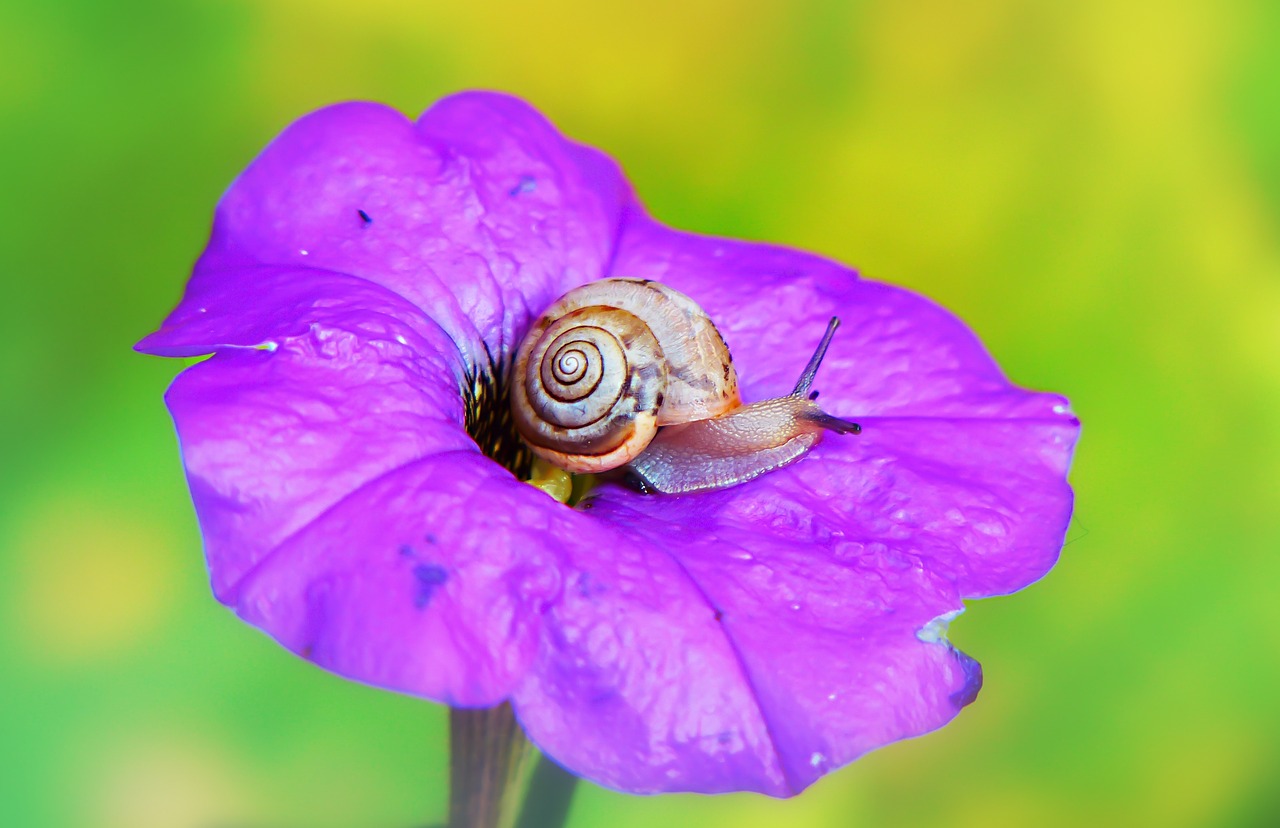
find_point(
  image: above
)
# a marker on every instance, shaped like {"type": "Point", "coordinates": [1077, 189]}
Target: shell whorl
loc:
{"type": "Point", "coordinates": [611, 361]}
{"type": "Point", "coordinates": [588, 378]}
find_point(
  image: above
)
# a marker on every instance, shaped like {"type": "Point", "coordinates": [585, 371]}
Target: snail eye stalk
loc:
{"type": "Point", "coordinates": [811, 370]}
{"type": "Point", "coordinates": [817, 416]}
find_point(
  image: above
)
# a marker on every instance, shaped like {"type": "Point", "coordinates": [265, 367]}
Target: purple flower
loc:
{"type": "Point", "coordinates": [366, 283]}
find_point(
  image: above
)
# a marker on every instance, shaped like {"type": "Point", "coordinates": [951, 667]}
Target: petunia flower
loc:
{"type": "Point", "coordinates": [359, 486]}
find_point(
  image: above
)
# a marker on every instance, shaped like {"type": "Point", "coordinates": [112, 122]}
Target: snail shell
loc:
{"type": "Point", "coordinates": [629, 372]}
{"type": "Point", "coordinates": [609, 363]}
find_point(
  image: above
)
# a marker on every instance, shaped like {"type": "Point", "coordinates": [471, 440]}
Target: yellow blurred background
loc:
{"type": "Point", "coordinates": [1094, 186]}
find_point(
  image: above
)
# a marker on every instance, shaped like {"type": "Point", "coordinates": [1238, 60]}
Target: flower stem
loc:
{"type": "Point", "coordinates": [546, 804]}
{"type": "Point", "coordinates": [487, 750]}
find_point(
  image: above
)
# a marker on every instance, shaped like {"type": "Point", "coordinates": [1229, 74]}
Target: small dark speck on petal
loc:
{"type": "Point", "coordinates": [589, 587]}
{"type": "Point", "coordinates": [429, 577]}
{"type": "Point", "coordinates": [364, 217]}
{"type": "Point", "coordinates": [813, 395]}
{"type": "Point", "coordinates": [430, 538]}
{"type": "Point", "coordinates": [527, 185]}
{"type": "Point", "coordinates": [407, 550]}
{"type": "Point", "coordinates": [719, 615]}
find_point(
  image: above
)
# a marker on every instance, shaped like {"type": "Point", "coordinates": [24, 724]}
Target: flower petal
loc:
{"type": "Point", "coordinates": [952, 456]}
{"type": "Point", "coordinates": [830, 582]}
{"type": "Point", "coordinates": [431, 579]}
{"type": "Point", "coordinates": [324, 383]}
{"type": "Point", "coordinates": [338, 490]}
{"type": "Point", "coordinates": [636, 686]}
{"type": "Point", "coordinates": [983, 503]}
{"type": "Point", "coordinates": [895, 353]}
{"type": "Point", "coordinates": [716, 657]}
{"type": "Point", "coordinates": [481, 212]}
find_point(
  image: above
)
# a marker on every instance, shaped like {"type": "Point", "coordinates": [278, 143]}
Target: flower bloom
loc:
{"type": "Point", "coordinates": [367, 281]}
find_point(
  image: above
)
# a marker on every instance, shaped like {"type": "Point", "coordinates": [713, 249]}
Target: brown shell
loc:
{"type": "Point", "coordinates": [609, 363]}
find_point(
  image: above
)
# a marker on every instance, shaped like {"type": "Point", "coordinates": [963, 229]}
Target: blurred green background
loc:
{"type": "Point", "coordinates": [1094, 186]}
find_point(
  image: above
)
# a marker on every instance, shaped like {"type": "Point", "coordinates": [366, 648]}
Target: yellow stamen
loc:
{"type": "Point", "coordinates": [554, 481]}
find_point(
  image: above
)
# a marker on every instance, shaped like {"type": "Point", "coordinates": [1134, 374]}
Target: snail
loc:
{"type": "Point", "coordinates": [631, 374]}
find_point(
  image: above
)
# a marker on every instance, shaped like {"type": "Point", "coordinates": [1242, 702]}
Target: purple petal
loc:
{"type": "Point", "coordinates": [895, 353]}
{"type": "Point", "coordinates": [481, 212]}
{"type": "Point", "coordinates": [983, 503]}
{"type": "Point", "coordinates": [721, 658]}
{"type": "Point", "coordinates": [968, 467]}
{"type": "Point", "coordinates": [272, 436]}
{"type": "Point", "coordinates": [636, 686]}
{"type": "Point", "coordinates": [430, 579]}
{"type": "Point", "coordinates": [337, 488]}
{"type": "Point", "coordinates": [830, 581]}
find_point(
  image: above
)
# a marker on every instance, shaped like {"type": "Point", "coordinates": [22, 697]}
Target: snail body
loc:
{"type": "Point", "coordinates": [631, 373]}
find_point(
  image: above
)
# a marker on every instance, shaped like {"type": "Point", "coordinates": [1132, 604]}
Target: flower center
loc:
{"type": "Point", "coordinates": [487, 396]}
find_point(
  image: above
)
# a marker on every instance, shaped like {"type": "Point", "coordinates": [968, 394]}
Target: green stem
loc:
{"type": "Point", "coordinates": [546, 803]}
{"type": "Point", "coordinates": [487, 749]}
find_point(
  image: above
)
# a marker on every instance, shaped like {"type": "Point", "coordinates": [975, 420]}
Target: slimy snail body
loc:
{"type": "Point", "coordinates": [631, 373]}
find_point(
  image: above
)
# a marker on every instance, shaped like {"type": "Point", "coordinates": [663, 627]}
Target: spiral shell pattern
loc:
{"type": "Point", "coordinates": [610, 362]}
{"type": "Point", "coordinates": [591, 379]}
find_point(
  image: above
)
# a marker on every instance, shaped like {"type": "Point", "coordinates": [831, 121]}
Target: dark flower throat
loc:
{"type": "Point", "coordinates": [487, 397]}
